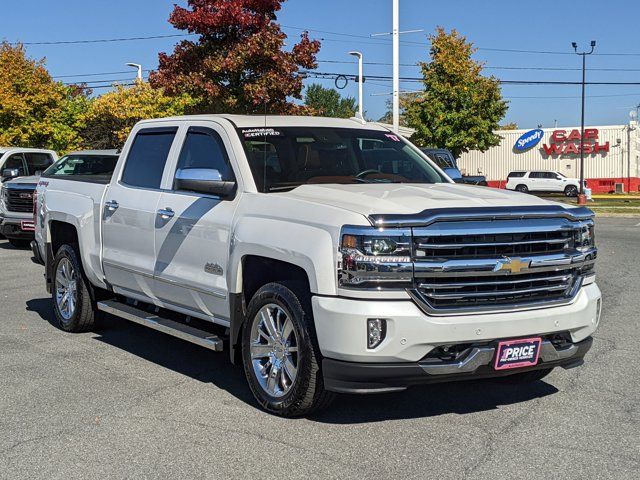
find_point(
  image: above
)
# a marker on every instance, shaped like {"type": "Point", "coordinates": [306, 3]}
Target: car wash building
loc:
{"type": "Point", "coordinates": [611, 156]}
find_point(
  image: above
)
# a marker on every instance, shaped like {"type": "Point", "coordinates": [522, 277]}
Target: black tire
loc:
{"type": "Point", "coordinates": [524, 377]}
{"type": "Point", "coordinates": [522, 188]}
{"type": "Point", "coordinates": [18, 242]}
{"type": "Point", "coordinates": [86, 314]}
{"type": "Point", "coordinates": [571, 191]}
{"type": "Point", "coordinates": [307, 394]}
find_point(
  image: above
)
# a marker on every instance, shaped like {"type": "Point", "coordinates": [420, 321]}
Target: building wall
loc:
{"type": "Point", "coordinates": [602, 169]}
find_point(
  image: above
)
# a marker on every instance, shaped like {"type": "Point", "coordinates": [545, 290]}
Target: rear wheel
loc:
{"type": "Point", "coordinates": [281, 361]}
{"type": "Point", "coordinates": [72, 304]}
{"type": "Point", "coordinates": [522, 188]}
{"type": "Point", "coordinates": [524, 377]}
{"type": "Point", "coordinates": [571, 191]}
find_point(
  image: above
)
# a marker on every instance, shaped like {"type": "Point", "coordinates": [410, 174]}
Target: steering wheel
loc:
{"type": "Point", "coordinates": [366, 172]}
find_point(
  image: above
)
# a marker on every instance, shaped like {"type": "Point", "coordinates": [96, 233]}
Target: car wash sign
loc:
{"type": "Point", "coordinates": [563, 143]}
{"type": "Point", "coordinates": [528, 140]}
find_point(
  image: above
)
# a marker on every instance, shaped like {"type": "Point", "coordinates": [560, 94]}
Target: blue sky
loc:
{"type": "Point", "coordinates": [542, 25]}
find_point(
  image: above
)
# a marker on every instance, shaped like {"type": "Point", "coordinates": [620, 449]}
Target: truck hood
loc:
{"type": "Point", "coordinates": [369, 199]}
{"type": "Point", "coordinates": [23, 180]}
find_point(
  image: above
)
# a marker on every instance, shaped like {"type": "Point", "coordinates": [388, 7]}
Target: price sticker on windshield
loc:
{"type": "Point", "coordinates": [393, 137]}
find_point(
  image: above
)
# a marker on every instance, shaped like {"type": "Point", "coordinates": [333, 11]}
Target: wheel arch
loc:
{"type": "Point", "coordinates": [255, 271]}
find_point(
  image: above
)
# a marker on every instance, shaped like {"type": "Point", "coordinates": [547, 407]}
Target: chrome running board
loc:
{"type": "Point", "coordinates": [185, 332]}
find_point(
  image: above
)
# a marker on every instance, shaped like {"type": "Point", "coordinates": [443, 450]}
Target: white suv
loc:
{"type": "Point", "coordinates": [537, 181]}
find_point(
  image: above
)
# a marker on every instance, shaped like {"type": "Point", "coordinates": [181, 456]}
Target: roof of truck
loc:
{"type": "Point", "coordinates": [95, 152]}
{"type": "Point", "coordinates": [261, 121]}
{"type": "Point", "coordinates": [4, 150]}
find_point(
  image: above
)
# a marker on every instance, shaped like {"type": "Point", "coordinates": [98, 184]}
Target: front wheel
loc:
{"type": "Point", "coordinates": [571, 191]}
{"type": "Point", "coordinates": [281, 361]}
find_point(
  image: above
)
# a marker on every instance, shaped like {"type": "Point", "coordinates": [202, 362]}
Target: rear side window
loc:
{"type": "Point", "coordinates": [38, 162]}
{"type": "Point", "coordinates": [537, 175]}
{"type": "Point", "coordinates": [203, 148]}
{"type": "Point", "coordinates": [516, 174]}
{"type": "Point", "coordinates": [148, 156]}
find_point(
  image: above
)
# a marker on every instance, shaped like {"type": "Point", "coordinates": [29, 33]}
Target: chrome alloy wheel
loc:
{"type": "Point", "coordinates": [66, 288]}
{"type": "Point", "coordinates": [274, 350]}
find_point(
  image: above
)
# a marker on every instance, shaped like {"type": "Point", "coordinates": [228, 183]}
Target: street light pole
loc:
{"type": "Point", "coordinates": [360, 81]}
{"type": "Point", "coordinates": [396, 65]}
{"type": "Point", "coordinates": [139, 67]}
{"type": "Point", "coordinates": [582, 200]}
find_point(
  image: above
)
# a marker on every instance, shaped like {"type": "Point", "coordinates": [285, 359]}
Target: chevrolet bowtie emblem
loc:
{"type": "Point", "coordinates": [513, 265]}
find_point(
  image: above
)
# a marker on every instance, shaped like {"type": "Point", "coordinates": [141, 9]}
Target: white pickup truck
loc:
{"type": "Point", "coordinates": [326, 255]}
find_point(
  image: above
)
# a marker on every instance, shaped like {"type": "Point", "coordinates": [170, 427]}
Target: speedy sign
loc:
{"type": "Point", "coordinates": [529, 140]}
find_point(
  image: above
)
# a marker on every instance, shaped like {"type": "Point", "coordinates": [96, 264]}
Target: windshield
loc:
{"type": "Point", "coordinates": [284, 158]}
{"type": "Point", "coordinates": [84, 165]}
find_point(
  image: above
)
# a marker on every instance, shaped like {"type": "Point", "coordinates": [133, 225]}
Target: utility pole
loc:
{"type": "Point", "coordinates": [582, 200]}
{"type": "Point", "coordinates": [395, 33]}
{"type": "Point", "coordinates": [360, 81]}
{"type": "Point", "coordinates": [396, 65]}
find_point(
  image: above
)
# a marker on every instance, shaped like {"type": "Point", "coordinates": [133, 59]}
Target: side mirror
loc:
{"type": "Point", "coordinates": [9, 173]}
{"type": "Point", "coordinates": [203, 180]}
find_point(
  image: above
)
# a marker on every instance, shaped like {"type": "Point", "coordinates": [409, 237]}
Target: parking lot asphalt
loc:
{"type": "Point", "coordinates": [127, 402]}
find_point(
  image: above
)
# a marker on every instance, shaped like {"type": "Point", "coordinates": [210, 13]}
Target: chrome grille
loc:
{"type": "Point", "coordinates": [497, 264]}
{"type": "Point", "coordinates": [19, 200]}
{"type": "Point", "coordinates": [460, 292]}
{"type": "Point", "coordinates": [501, 244]}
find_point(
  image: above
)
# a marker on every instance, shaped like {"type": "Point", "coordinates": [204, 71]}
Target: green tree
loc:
{"type": "Point", "coordinates": [35, 110]}
{"type": "Point", "coordinates": [460, 108]}
{"type": "Point", "coordinates": [327, 102]}
{"type": "Point", "coordinates": [111, 116]}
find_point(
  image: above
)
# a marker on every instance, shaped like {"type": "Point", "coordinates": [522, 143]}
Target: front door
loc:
{"type": "Point", "coordinates": [193, 237]}
{"type": "Point", "coordinates": [130, 213]}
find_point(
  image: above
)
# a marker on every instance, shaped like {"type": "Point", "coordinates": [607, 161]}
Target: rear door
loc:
{"type": "Point", "coordinates": [192, 244]}
{"type": "Point", "coordinates": [537, 181]}
{"type": "Point", "coordinates": [130, 212]}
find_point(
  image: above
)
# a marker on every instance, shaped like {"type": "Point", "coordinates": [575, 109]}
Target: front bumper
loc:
{"type": "Point", "coordinates": [411, 334]}
{"type": "Point", "coordinates": [352, 377]}
{"type": "Point", "coordinates": [14, 227]}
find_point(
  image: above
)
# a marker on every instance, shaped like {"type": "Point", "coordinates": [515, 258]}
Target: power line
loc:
{"type": "Point", "coordinates": [489, 67]}
{"type": "Point", "coordinates": [104, 40]}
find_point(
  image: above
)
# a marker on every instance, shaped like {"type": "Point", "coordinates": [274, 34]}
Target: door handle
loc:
{"type": "Point", "coordinates": [166, 213]}
{"type": "Point", "coordinates": [111, 205]}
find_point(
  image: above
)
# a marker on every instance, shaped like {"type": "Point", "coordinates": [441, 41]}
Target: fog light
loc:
{"type": "Point", "coordinates": [376, 331]}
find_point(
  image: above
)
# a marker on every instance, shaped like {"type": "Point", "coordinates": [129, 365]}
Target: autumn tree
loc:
{"type": "Point", "coordinates": [111, 116]}
{"type": "Point", "coordinates": [238, 64]}
{"type": "Point", "coordinates": [35, 110]}
{"type": "Point", "coordinates": [328, 102]}
{"type": "Point", "coordinates": [460, 108]}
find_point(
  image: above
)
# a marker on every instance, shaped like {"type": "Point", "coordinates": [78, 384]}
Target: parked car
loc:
{"type": "Point", "coordinates": [538, 181]}
{"type": "Point", "coordinates": [16, 199]}
{"type": "Point", "coordinates": [447, 162]}
{"type": "Point", "coordinates": [18, 170]}
{"type": "Point", "coordinates": [325, 255]}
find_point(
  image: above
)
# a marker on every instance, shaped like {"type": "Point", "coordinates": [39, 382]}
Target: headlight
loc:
{"type": "Point", "coordinates": [372, 258]}
{"type": "Point", "coordinates": [584, 237]}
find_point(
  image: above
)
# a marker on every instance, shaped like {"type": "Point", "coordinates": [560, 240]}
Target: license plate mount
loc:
{"type": "Point", "coordinates": [517, 353]}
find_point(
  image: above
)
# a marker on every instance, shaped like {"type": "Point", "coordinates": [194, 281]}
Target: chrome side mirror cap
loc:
{"type": "Point", "coordinates": [204, 180]}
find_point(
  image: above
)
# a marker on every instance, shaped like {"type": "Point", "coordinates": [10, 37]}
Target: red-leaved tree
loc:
{"type": "Point", "coordinates": [238, 64]}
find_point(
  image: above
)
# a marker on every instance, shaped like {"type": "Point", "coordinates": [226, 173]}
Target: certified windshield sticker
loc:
{"type": "Point", "coordinates": [261, 132]}
{"type": "Point", "coordinates": [393, 137]}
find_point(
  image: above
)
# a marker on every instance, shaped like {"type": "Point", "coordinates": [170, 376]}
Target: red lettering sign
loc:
{"type": "Point", "coordinates": [563, 143]}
